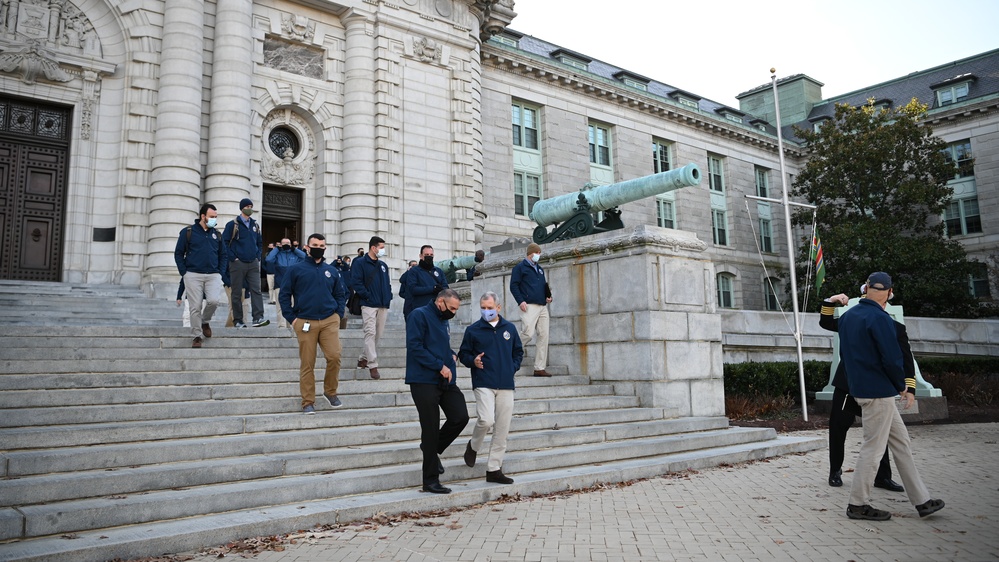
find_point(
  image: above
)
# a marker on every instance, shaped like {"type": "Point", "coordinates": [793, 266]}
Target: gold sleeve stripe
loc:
{"type": "Point", "coordinates": [910, 383]}
{"type": "Point", "coordinates": [827, 310]}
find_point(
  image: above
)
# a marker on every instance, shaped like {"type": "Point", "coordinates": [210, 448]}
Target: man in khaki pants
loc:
{"type": "Point", "coordinates": [531, 292]}
{"type": "Point", "coordinates": [319, 296]}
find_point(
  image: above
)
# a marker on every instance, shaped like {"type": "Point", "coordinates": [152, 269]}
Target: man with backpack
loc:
{"type": "Point", "coordinates": [201, 262]}
{"type": "Point", "coordinates": [244, 246]}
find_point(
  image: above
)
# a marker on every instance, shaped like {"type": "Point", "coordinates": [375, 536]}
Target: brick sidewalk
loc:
{"type": "Point", "coordinates": [775, 510]}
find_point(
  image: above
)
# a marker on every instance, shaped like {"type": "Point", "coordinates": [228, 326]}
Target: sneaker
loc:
{"type": "Point", "coordinates": [196, 343]}
{"type": "Point", "coordinates": [497, 477]}
{"type": "Point", "coordinates": [309, 410]}
{"type": "Point", "coordinates": [334, 400]}
{"type": "Point", "coordinates": [238, 325]}
{"type": "Point", "coordinates": [207, 330]}
{"type": "Point", "coordinates": [929, 507]}
{"type": "Point", "coordinates": [261, 323]}
{"type": "Point", "coordinates": [869, 513]}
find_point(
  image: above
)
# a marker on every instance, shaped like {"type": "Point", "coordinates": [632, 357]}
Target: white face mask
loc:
{"type": "Point", "coordinates": [381, 253]}
{"type": "Point", "coordinates": [535, 257]}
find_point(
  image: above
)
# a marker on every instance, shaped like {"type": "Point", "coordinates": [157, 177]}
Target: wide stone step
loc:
{"type": "Point", "coordinates": [78, 515]}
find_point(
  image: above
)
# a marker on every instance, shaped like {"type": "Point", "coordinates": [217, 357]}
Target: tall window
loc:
{"type": "Point", "coordinates": [716, 174]}
{"type": "Point", "coordinates": [719, 226]}
{"type": "Point", "coordinates": [961, 217]}
{"type": "Point", "coordinates": [526, 192]}
{"type": "Point", "coordinates": [726, 296]}
{"type": "Point", "coordinates": [770, 285]}
{"type": "Point", "coordinates": [762, 182]}
{"type": "Point", "coordinates": [599, 145]}
{"type": "Point", "coordinates": [959, 154]}
{"type": "Point", "coordinates": [665, 212]}
{"type": "Point", "coordinates": [662, 159]}
{"type": "Point", "coordinates": [952, 94]}
{"type": "Point", "coordinates": [978, 283]}
{"type": "Point", "coordinates": [525, 126]}
{"type": "Point", "coordinates": [766, 236]}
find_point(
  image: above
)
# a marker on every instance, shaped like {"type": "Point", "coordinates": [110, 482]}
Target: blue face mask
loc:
{"type": "Point", "coordinates": [489, 315]}
{"type": "Point", "coordinates": [212, 222]}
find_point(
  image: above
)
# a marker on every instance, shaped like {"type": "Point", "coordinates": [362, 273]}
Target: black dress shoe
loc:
{"type": "Point", "coordinates": [436, 488]}
{"type": "Point", "coordinates": [469, 454]}
{"type": "Point", "coordinates": [929, 507]}
{"type": "Point", "coordinates": [440, 466]}
{"type": "Point", "coordinates": [889, 485]}
{"type": "Point", "coordinates": [497, 477]}
{"type": "Point", "coordinates": [835, 480]}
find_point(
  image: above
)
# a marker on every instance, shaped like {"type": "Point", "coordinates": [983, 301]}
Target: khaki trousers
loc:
{"type": "Point", "coordinates": [494, 409]}
{"type": "Point", "coordinates": [277, 304]}
{"type": "Point", "coordinates": [374, 327]}
{"type": "Point", "coordinates": [883, 424]}
{"type": "Point", "coordinates": [271, 289]}
{"type": "Point", "coordinates": [206, 289]}
{"type": "Point", "coordinates": [535, 321]}
{"type": "Point", "coordinates": [326, 334]}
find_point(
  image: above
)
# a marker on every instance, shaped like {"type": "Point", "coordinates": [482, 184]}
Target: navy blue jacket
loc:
{"type": "Point", "coordinates": [370, 280]}
{"type": "Point", "coordinates": [318, 289]}
{"type": "Point", "coordinates": [204, 252]}
{"type": "Point", "coordinates": [419, 287]}
{"type": "Point", "coordinates": [503, 353]}
{"type": "Point", "coordinates": [242, 243]}
{"type": "Point", "coordinates": [428, 346]}
{"type": "Point", "coordinates": [278, 261]}
{"type": "Point", "coordinates": [869, 348]}
{"type": "Point", "coordinates": [527, 284]}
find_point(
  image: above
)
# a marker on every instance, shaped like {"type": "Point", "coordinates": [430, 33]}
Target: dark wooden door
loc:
{"type": "Point", "coordinates": [34, 151]}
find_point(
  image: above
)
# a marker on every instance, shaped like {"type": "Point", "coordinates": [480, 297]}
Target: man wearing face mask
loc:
{"type": "Point", "coordinates": [423, 282]}
{"type": "Point", "coordinates": [244, 246]}
{"type": "Point", "coordinates": [282, 257]}
{"type": "Point", "coordinates": [531, 291]}
{"type": "Point", "coordinates": [431, 376]}
{"type": "Point", "coordinates": [491, 348]}
{"type": "Point", "coordinates": [200, 260]}
{"type": "Point", "coordinates": [313, 298]}
{"type": "Point", "coordinates": [370, 281]}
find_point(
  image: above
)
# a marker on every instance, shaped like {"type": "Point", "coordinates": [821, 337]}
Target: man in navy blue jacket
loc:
{"type": "Point", "coordinates": [491, 348]}
{"type": "Point", "coordinates": [244, 246]}
{"type": "Point", "coordinates": [200, 260]}
{"type": "Point", "coordinates": [370, 281]}
{"type": "Point", "coordinates": [431, 374]}
{"type": "Point", "coordinates": [423, 282]}
{"type": "Point", "coordinates": [531, 292]}
{"type": "Point", "coordinates": [282, 257]}
{"type": "Point", "coordinates": [875, 375]}
{"type": "Point", "coordinates": [313, 298]}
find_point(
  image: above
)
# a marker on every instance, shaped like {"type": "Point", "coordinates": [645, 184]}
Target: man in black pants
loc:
{"type": "Point", "coordinates": [845, 409]}
{"type": "Point", "coordinates": [431, 376]}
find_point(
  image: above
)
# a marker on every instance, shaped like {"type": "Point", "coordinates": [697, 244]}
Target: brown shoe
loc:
{"type": "Point", "coordinates": [196, 343]}
{"type": "Point", "coordinates": [207, 330]}
{"type": "Point", "coordinates": [542, 373]}
{"type": "Point", "coordinates": [374, 373]}
{"type": "Point", "coordinates": [362, 363]}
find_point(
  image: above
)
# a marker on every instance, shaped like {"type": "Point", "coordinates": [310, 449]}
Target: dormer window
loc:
{"type": "Point", "coordinates": [572, 59]}
{"type": "Point", "coordinates": [759, 124]}
{"type": "Point", "coordinates": [730, 114]}
{"type": "Point", "coordinates": [953, 90]}
{"type": "Point", "coordinates": [507, 40]}
{"type": "Point", "coordinates": [685, 98]}
{"type": "Point", "coordinates": [882, 104]}
{"type": "Point", "coordinates": [686, 101]}
{"type": "Point", "coordinates": [633, 80]}
{"type": "Point", "coordinates": [817, 123]}
{"type": "Point", "coordinates": [636, 84]}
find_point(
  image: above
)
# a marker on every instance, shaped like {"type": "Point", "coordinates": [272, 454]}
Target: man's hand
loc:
{"type": "Point", "coordinates": [446, 373]}
{"type": "Point", "coordinates": [841, 299]}
{"type": "Point", "coordinates": [523, 307]}
{"type": "Point", "coordinates": [908, 398]}
{"type": "Point", "coordinates": [478, 361]}
{"type": "Point", "coordinates": [548, 300]}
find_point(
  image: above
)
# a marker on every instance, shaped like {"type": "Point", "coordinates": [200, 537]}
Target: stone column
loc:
{"type": "Point", "coordinates": [175, 193]}
{"type": "Point", "coordinates": [358, 197]}
{"type": "Point", "coordinates": [634, 308]}
{"type": "Point", "coordinates": [227, 176]}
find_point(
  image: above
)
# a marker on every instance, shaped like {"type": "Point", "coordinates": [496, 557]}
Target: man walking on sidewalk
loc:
{"type": "Point", "coordinates": [531, 292]}
{"type": "Point", "coordinates": [200, 260]}
{"type": "Point", "coordinates": [370, 281]}
{"type": "Point", "coordinates": [244, 246]}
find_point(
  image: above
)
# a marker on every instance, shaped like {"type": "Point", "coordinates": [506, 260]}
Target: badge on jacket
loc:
{"type": "Point", "coordinates": [328, 276]}
{"type": "Point", "coordinates": [214, 237]}
{"type": "Point", "coordinates": [437, 274]}
{"type": "Point", "coordinates": [506, 335]}
{"type": "Point", "coordinates": [384, 269]}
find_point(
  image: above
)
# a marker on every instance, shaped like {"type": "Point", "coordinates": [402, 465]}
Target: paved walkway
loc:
{"type": "Point", "coordinates": [775, 510]}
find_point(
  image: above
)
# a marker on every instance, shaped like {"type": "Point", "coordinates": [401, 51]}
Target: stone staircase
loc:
{"type": "Point", "coordinates": [122, 441]}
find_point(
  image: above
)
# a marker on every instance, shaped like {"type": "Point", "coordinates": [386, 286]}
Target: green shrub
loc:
{"type": "Point", "coordinates": [963, 365]}
{"type": "Point", "coordinates": [775, 378]}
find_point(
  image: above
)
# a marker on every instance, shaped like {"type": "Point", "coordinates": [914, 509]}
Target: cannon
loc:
{"type": "Point", "coordinates": [572, 213]}
{"type": "Point", "coordinates": [451, 266]}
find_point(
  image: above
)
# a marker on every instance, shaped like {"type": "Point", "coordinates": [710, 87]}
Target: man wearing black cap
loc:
{"type": "Point", "coordinates": [876, 376]}
{"type": "Point", "coordinates": [244, 246]}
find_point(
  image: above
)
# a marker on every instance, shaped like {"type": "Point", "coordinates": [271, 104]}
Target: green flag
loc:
{"type": "Point", "coordinates": [820, 264]}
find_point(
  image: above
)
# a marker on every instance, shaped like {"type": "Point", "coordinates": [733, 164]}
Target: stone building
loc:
{"type": "Point", "coordinates": [422, 121]}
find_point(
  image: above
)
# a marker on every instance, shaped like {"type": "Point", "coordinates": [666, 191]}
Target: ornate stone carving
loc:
{"type": "Point", "coordinates": [290, 169]}
{"type": "Point", "coordinates": [494, 16]}
{"type": "Point", "coordinates": [57, 24]}
{"type": "Point", "coordinates": [426, 49]}
{"type": "Point", "coordinates": [31, 60]}
{"type": "Point", "coordinates": [288, 172]}
{"type": "Point", "coordinates": [295, 58]}
{"type": "Point", "coordinates": [298, 28]}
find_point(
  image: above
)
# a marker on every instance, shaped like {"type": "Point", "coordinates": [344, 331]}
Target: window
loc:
{"type": "Point", "coordinates": [526, 192]}
{"type": "Point", "coordinates": [575, 63]}
{"type": "Point", "coordinates": [952, 94]}
{"type": "Point", "coordinates": [959, 154]}
{"type": "Point", "coordinates": [635, 84]}
{"type": "Point", "coordinates": [525, 126]}
{"type": "Point", "coordinates": [770, 285]}
{"type": "Point", "coordinates": [978, 282]}
{"type": "Point", "coordinates": [599, 145]}
{"type": "Point", "coordinates": [662, 160]}
{"type": "Point", "coordinates": [719, 226]}
{"type": "Point", "coordinates": [762, 182]}
{"type": "Point", "coordinates": [726, 298]}
{"type": "Point", "coordinates": [665, 212]}
{"type": "Point", "coordinates": [817, 126]}
{"type": "Point", "coordinates": [961, 217]}
{"type": "Point", "coordinates": [733, 117]}
{"type": "Point", "coordinates": [766, 236]}
{"type": "Point", "coordinates": [716, 176]}
{"type": "Point", "coordinates": [506, 40]}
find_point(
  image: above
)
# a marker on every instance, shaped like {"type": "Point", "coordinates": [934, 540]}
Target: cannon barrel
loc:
{"type": "Point", "coordinates": [605, 197]}
{"type": "Point", "coordinates": [456, 263]}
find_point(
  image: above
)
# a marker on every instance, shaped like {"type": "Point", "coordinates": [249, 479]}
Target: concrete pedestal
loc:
{"type": "Point", "coordinates": [634, 308]}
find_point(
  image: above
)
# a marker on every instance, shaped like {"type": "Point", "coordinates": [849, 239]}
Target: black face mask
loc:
{"type": "Point", "coordinates": [286, 247]}
{"type": "Point", "coordinates": [427, 263]}
{"type": "Point", "coordinates": [446, 314]}
{"type": "Point", "coordinates": [478, 259]}
{"type": "Point", "coordinates": [317, 253]}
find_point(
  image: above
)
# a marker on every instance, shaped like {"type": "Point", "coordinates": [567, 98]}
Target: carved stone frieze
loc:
{"type": "Point", "coordinates": [57, 24]}
{"type": "Point", "coordinates": [298, 28]}
{"type": "Point", "coordinates": [427, 50]}
{"type": "Point", "coordinates": [494, 16]}
{"type": "Point", "coordinates": [32, 60]}
{"type": "Point", "coordinates": [290, 168]}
